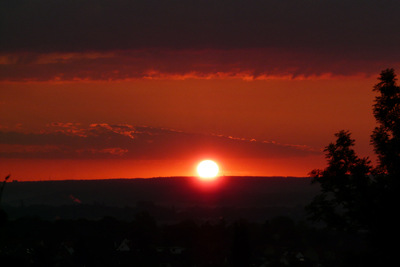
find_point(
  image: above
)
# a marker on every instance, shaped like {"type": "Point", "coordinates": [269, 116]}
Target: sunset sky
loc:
{"type": "Point", "coordinates": [123, 89]}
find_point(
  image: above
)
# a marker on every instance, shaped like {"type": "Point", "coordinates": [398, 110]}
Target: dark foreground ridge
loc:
{"type": "Point", "coordinates": [176, 222]}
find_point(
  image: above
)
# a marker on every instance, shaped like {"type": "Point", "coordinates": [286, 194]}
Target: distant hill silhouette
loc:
{"type": "Point", "coordinates": [177, 191]}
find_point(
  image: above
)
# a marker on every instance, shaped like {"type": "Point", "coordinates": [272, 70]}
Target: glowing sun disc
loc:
{"type": "Point", "coordinates": [207, 169]}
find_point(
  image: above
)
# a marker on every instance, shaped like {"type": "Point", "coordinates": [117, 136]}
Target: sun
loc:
{"type": "Point", "coordinates": [207, 169]}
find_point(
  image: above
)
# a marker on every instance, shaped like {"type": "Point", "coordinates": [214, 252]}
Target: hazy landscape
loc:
{"type": "Point", "coordinates": [255, 198]}
{"type": "Point", "coordinates": [171, 221]}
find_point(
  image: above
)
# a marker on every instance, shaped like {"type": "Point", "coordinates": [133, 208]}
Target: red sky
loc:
{"type": "Point", "coordinates": [103, 89]}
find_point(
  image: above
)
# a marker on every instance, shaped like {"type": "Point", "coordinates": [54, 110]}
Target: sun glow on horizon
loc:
{"type": "Point", "coordinates": [207, 169]}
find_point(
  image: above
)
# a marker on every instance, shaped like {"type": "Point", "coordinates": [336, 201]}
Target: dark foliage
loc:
{"type": "Point", "coordinates": [355, 196]}
{"type": "Point", "coordinates": [31, 241]}
{"type": "Point", "coordinates": [386, 136]}
{"type": "Point", "coordinates": [344, 201]}
{"type": "Point", "coordinates": [3, 214]}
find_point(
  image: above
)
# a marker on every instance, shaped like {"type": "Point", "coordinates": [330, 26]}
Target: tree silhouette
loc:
{"type": "Point", "coordinates": [386, 136]}
{"type": "Point", "coordinates": [3, 214]}
{"type": "Point", "coordinates": [386, 141]}
{"type": "Point", "coordinates": [355, 196]}
{"type": "Point", "coordinates": [345, 187]}
{"type": "Point", "coordinates": [3, 185]}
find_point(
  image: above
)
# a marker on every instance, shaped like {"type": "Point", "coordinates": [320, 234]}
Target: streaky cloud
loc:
{"type": "Point", "coordinates": [102, 141]}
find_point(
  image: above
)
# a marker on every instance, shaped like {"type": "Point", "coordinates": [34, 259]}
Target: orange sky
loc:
{"type": "Point", "coordinates": [294, 114]}
{"type": "Point", "coordinates": [102, 89]}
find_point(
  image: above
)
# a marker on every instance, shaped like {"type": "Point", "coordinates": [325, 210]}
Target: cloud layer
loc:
{"type": "Point", "coordinates": [117, 40]}
{"type": "Point", "coordinates": [104, 141]}
{"type": "Point", "coordinates": [205, 64]}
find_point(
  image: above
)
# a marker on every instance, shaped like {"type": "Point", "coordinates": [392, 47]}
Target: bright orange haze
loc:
{"type": "Point", "coordinates": [294, 119]}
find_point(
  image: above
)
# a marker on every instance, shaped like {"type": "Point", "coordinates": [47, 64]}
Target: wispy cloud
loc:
{"type": "Point", "coordinates": [101, 141]}
{"type": "Point", "coordinates": [74, 199]}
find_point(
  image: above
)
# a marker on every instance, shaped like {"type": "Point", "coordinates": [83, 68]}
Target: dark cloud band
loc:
{"type": "Point", "coordinates": [181, 64]}
{"type": "Point", "coordinates": [343, 26]}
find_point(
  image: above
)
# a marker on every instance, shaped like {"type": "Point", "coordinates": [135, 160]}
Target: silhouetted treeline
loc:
{"type": "Point", "coordinates": [280, 241]}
